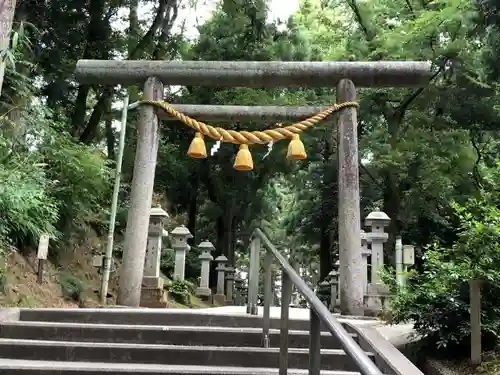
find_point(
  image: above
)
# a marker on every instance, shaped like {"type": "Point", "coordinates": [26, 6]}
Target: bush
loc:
{"type": "Point", "coordinates": [437, 300]}
{"type": "Point", "coordinates": [180, 291]}
{"type": "Point", "coordinates": [26, 208]}
{"type": "Point", "coordinates": [71, 286]}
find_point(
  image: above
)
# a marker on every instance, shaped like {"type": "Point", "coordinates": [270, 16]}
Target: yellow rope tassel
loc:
{"type": "Point", "coordinates": [197, 149]}
{"type": "Point", "coordinates": [253, 137]}
{"type": "Point", "coordinates": [296, 149]}
{"type": "Point", "coordinates": [243, 161]}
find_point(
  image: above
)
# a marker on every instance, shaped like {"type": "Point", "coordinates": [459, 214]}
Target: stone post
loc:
{"type": "Point", "coordinates": [377, 220]}
{"type": "Point", "coordinates": [203, 291]}
{"type": "Point", "coordinates": [376, 293]}
{"type": "Point", "coordinates": [323, 291]}
{"type": "Point", "coordinates": [230, 285]}
{"type": "Point", "coordinates": [152, 293]}
{"type": "Point", "coordinates": [179, 238]}
{"type": "Point", "coordinates": [220, 297]}
{"type": "Point", "coordinates": [157, 217]}
{"type": "Point", "coordinates": [408, 259]}
{"type": "Point", "coordinates": [334, 288]}
{"type": "Point", "coordinates": [399, 261]}
{"type": "Point", "coordinates": [365, 253]}
{"type": "Point", "coordinates": [141, 193]}
{"type": "Point", "coordinates": [349, 219]}
{"type": "Point", "coordinates": [238, 291]}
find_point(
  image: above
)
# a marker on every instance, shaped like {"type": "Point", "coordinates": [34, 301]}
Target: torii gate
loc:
{"type": "Point", "coordinates": [345, 76]}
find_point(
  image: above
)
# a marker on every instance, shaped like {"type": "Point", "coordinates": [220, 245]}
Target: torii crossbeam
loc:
{"type": "Point", "coordinates": [345, 76]}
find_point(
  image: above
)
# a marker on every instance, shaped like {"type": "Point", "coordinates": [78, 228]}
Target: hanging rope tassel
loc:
{"type": "Point", "coordinates": [243, 161]}
{"type": "Point", "coordinates": [296, 149]}
{"type": "Point", "coordinates": [197, 148]}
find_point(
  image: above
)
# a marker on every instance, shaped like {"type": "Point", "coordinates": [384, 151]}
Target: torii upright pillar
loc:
{"type": "Point", "coordinates": [141, 194]}
{"type": "Point", "coordinates": [257, 74]}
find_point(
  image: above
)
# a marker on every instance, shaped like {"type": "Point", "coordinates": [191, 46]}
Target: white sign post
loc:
{"type": "Point", "coordinates": [43, 249]}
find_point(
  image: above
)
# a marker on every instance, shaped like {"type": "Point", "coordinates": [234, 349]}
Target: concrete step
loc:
{"type": "Point", "coordinates": [164, 335]}
{"type": "Point", "coordinates": [19, 367]}
{"type": "Point", "coordinates": [162, 317]}
{"type": "Point", "coordinates": [331, 359]}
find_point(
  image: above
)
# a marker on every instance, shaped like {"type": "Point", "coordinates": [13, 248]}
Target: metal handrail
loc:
{"type": "Point", "coordinates": [351, 348]}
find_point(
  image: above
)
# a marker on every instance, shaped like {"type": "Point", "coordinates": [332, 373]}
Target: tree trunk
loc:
{"type": "Point", "coordinates": [110, 138]}
{"type": "Point", "coordinates": [325, 253]}
{"type": "Point", "coordinates": [7, 10]}
{"type": "Point", "coordinates": [193, 203]}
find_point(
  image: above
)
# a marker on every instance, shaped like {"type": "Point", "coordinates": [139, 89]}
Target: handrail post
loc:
{"type": "Point", "coordinates": [289, 278]}
{"type": "Point", "coordinates": [286, 294]}
{"type": "Point", "coordinates": [253, 275]}
{"type": "Point", "coordinates": [314, 343]}
{"type": "Point", "coordinates": [268, 291]}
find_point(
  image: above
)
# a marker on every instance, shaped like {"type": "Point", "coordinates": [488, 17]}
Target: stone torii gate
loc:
{"type": "Point", "coordinates": [345, 76]}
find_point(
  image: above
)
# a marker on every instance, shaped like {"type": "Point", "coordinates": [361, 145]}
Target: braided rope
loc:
{"type": "Point", "coordinates": [246, 137]}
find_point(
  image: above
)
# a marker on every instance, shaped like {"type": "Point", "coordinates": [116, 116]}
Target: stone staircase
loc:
{"type": "Point", "coordinates": [131, 341]}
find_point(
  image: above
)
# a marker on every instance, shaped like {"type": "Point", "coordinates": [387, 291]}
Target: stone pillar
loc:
{"type": "Point", "coordinates": [220, 297]}
{"type": "Point", "coordinates": [399, 261]}
{"type": "Point", "coordinates": [230, 285]}
{"type": "Point", "coordinates": [408, 259]}
{"type": "Point", "coordinates": [203, 291]}
{"type": "Point", "coordinates": [365, 253]}
{"type": "Point", "coordinates": [334, 289]}
{"type": "Point", "coordinates": [324, 291]}
{"type": "Point", "coordinates": [239, 287]}
{"type": "Point", "coordinates": [349, 219]}
{"type": "Point", "coordinates": [376, 292]}
{"type": "Point", "coordinates": [157, 217]}
{"type": "Point", "coordinates": [377, 220]}
{"type": "Point", "coordinates": [179, 238]}
{"type": "Point", "coordinates": [152, 292]}
{"type": "Point", "coordinates": [141, 193]}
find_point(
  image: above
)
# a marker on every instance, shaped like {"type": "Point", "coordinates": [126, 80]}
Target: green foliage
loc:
{"type": "Point", "coordinates": [71, 286]}
{"type": "Point", "coordinates": [82, 178]}
{"type": "Point", "coordinates": [437, 299]}
{"type": "Point", "coordinates": [192, 270]}
{"type": "Point", "coordinates": [180, 291]}
{"type": "Point", "coordinates": [26, 206]}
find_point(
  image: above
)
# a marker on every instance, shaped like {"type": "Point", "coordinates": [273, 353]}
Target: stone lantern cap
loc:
{"type": "Point", "coordinates": [324, 283]}
{"type": "Point", "coordinates": [181, 231]}
{"type": "Point", "coordinates": [221, 259]}
{"type": "Point", "coordinates": [333, 273]}
{"type": "Point", "coordinates": [377, 217]}
{"type": "Point", "coordinates": [206, 246]}
{"type": "Point", "coordinates": [158, 212]}
{"type": "Point", "coordinates": [205, 256]}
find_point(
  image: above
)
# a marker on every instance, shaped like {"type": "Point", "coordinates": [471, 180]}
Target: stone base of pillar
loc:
{"type": "Point", "coordinates": [152, 282]}
{"type": "Point", "coordinates": [375, 299]}
{"type": "Point", "coordinates": [203, 293]}
{"type": "Point", "coordinates": [152, 294]}
{"type": "Point", "coordinates": [229, 303]}
{"type": "Point", "coordinates": [219, 299]}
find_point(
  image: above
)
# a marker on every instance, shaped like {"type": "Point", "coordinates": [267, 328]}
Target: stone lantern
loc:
{"type": "Point", "coordinates": [178, 238]}
{"type": "Point", "coordinates": [152, 292]}
{"type": "Point", "coordinates": [377, 221]}
{"type": "Point", "coordinates": [230, 277]}
{"type": "Point", "coordinates": [334, 287]}
{"type": "Point", "coordinates": [376, 292]}
{"type": "Point", "coordinates": [205, 257]}
{"type": "Point", "coordinates": [219, 297]}
{"type": "Point", "coordinates": [157, 218]}
{"type": "Point", "coordinates": [365, 253]}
